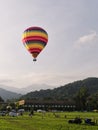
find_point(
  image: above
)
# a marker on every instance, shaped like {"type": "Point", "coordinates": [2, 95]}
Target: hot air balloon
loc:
{"type": "Point", "coordinates": [35, 39]}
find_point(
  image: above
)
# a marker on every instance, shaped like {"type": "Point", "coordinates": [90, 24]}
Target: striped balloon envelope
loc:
{"type": "Point", "coordinates": [35, 39]}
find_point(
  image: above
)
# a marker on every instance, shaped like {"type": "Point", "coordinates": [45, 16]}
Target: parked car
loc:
{"type": "Point", "coordinates": [2, 113]}
{"type": "Point", "coordinates": [76, 120]}
{"type": "Point", "coordinates": [41, 111]}
{"type": "Point", "coordinates": [20, 112]}
{"type": "Point", "coordinates": [89, 122]}
{"type": "Point", "coordinates": [13, 113]}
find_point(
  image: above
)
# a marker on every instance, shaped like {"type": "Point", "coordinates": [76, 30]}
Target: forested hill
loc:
{"type": "Point", "coordinates": [7, 95]}
{"type": "Point", "coordinates": [66, 91]}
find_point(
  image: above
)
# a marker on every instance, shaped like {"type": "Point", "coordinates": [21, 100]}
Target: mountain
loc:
{"type": "Point", "coordinates": [8, 94]}
{"type": "Point", "coordinates": [9, 88]}
{"type": "Point", "coordinates": [66, 91]}
{"type": "Point", "coordinates": [27, 89]}
{"type": "Point", "coordinates": [62, 92]}
{"type": "Point", "coordinates": [34, 87]}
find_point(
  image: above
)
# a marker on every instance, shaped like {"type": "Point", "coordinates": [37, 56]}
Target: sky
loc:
{"type": "Point", "coordinates": [71, 53]}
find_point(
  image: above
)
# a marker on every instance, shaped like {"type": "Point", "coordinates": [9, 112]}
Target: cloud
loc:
{"type": "Point", "coordinates": [5, 80]}
{"type": "Point", "coordinates": [87, 39]}
{"type": "Point", "coordinates": [53, 79]}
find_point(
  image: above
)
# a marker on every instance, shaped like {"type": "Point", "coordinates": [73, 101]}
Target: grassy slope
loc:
{"type": "Point", "coordinates": [48, 122]}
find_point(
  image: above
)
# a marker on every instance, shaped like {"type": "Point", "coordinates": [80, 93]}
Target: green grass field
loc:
{"type": "Point", "coordinates": [48, 121]}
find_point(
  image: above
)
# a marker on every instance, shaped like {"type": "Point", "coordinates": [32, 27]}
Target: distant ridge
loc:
{"type": "Point", "coordinates": [27, 89]}
{"type": "Point", "coordinates": [8, 94]}
{"type": "Point", "coordinates": [65, 91]}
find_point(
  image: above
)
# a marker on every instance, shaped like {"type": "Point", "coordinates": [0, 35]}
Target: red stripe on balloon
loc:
{"type": "Point", "coordinates": [37, 38]}
{"type": "Point", "coordinates": [35, 50]}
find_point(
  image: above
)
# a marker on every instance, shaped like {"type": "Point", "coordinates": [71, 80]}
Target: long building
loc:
{"type": "Point", "coordinates": [47, 105]}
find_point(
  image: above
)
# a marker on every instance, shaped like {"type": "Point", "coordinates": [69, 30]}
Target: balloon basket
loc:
{"type": "Point", "coordinates": [34, 59]}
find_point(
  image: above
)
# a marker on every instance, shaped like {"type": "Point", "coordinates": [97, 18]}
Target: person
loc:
{"type": "Point", "coordinates": [31, 113]}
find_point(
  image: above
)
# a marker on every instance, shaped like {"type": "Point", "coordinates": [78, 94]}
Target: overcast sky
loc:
{"type": "Point", "coordinates": [72, 50]}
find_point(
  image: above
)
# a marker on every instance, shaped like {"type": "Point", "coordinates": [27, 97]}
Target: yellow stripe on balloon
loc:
{"type": "Point", "coordinates": [35, 33]}
{"type": "Point", "coordinates": [29, 46]}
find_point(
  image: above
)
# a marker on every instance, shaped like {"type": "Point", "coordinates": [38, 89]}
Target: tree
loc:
{"type": "Point", "coordinates": [81, 98]}
{"type": "Point", "coordinates": [1, 99]}
{"type": "Point", "coordinates": [2, 105]}
{"type": "Point", "coordinates": [92, 102]}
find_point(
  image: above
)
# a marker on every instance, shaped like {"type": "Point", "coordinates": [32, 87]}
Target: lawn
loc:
{"type": "Point", "coordinates": [48, 121]}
